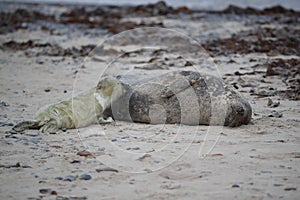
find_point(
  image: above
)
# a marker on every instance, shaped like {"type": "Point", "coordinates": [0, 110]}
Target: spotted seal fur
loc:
{"type": "Point", "coordinates": [186, 97]}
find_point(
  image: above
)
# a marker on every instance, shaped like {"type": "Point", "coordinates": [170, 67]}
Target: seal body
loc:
{"type": "Point", "coordinates": [186, 97]}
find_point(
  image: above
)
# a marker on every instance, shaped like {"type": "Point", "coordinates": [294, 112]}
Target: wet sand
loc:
{"type": "Point", "coordinates": [45, 59]}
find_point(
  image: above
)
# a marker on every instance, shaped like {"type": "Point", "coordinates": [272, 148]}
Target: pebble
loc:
{"type": "Point", "coordinates": [266, 172]}
{"type": "Point", "coordinates": [75, 161]}
{"type": "Point", "coordinates": [235, 186]}
{"type": "Point", "coordinates": [11, 136]}
{"type": "Point", "coordinates": [39, 61]}
{"type": "Point", "coordinates": [45, 191]}
{"type": "Point", "coordinates": [59, 178]}
{"type": "Point", "coordinates": [69, 178]}
{"type": "Point", "coordinates": [32, 134]}
{"type": "Point", "coordinates": [114, 140]}
{"type": "Point", "coordinates": [85, 177]}
{"type": "Point", "coordinates": [4, 104]}
{"type": "Point", "coordinates": [35, 140]}
{"type": "Point", "coordinates": [6, 124]}
{"type": "Point", "coordinates": [101, 149]}
{"type": "Point", "coordinates": [17, 165]}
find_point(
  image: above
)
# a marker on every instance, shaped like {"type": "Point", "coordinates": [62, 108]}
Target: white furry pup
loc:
{"type": "Point", "coordinates": [80, 111]}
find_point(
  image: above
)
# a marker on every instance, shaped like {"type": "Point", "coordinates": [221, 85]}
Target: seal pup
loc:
{"type": "Point", "coordinates": [82, 110]}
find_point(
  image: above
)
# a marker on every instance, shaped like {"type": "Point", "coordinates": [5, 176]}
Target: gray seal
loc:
{"type": "Point", "coordinates": [185, 97]}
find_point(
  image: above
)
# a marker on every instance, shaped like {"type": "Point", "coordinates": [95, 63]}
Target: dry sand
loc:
{"type": "Point", "coordinates": [38, 66]}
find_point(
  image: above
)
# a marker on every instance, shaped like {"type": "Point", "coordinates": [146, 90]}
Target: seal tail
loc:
{"type": "Point", "coordinates": [26, 125]}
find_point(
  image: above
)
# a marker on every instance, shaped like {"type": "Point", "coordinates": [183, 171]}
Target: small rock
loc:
{"type": "Point", "coordinates": [26, 166]}
{"type": "Point", "coordinates": [69, 178]}
{"type": "Point", "coordinates": [11, 136]}
{"type": "Point", "coordinates": [266, 172]}
{"type": "Point", "coordinates": [101, 149]}
{"type": "Point", "coordinates": [45, 191]}
{"type": "Point", "coordinates": [33, 134]}
{"type": "Point", "coordinates": [59, 178]}
{"type": "Point", "coordinates": [3, 104]}
{"type": "Point", "coordinates": [6, 124]}
{"type": "Point", "coordinates": [136, 148]}
{"type": "Point", "coordinates": [235, 186]}
{"type": "Point", "coordinates": [75, 161]}
{"type": "Point", "coordinates": [39, 61]}
{"type": "Point", "coordinates": [47, 90]}
{"type": "Point", "coordinates": [85, 177]}
{"type": "Point", "coordinates": [114, 140]}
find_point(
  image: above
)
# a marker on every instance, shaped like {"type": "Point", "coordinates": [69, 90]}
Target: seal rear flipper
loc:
{"type": "Point", "coordinates": [22, 126]}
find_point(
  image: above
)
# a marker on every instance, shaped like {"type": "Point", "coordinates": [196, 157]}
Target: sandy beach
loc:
{"type": "Point", "coordinates": [52, 52]}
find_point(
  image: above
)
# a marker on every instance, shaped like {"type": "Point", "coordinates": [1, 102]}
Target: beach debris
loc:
{"type": "Point", "coordinates": [85, 153]}
{"type": "Point", "coordinates": [263, 40]}
{"type": "Point", "coordinates": [170, 185]}
{"type": "Point", "coordinates": [290, 189]}
{"type": "Point", "coordinates": [275, 114]}
{"type": "Point", "coordinates": [216, 155]}
{"type": "Point", "coordinates": [272, 104]}
{"type": "Point", "coordinates": [144, 156]}
{"type": "Point", "coordinates": [106, 169]}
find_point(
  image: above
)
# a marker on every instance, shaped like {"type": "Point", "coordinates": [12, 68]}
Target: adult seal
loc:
{"type": "Point", "coordinates": [185, 97]}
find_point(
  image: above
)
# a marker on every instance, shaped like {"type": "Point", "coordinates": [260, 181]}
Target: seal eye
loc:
{"type": "Point", "coordinates": [240, 111]}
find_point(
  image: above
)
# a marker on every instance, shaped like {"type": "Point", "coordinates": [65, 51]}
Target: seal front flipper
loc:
{"type": "Point", "coordinates": [179, 85]}
{"type": "Point", "coordinates": [108, 120]}
{"type": "Point", "coordinates": [22, 126]}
